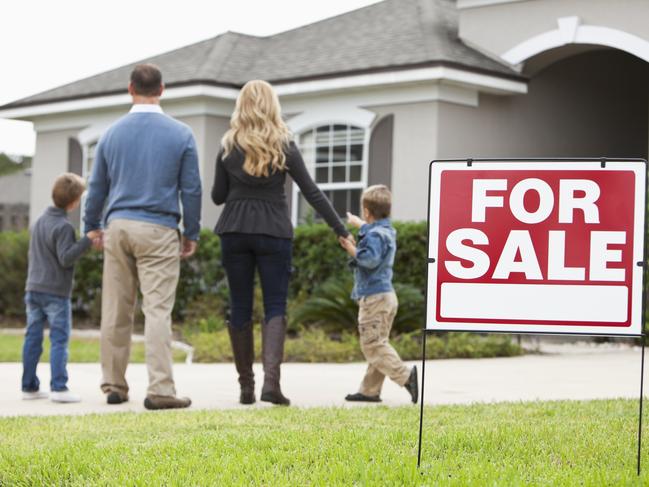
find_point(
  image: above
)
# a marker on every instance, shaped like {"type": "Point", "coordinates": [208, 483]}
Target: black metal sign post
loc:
{"type": "Point", "coordinates": [421, 402]}
{"type": "Point", "coordinates": [425, 331]}
{"type": "Point", "coordinates": [640, 411]}
{"type": "Point", "coordinates": [423, 376]}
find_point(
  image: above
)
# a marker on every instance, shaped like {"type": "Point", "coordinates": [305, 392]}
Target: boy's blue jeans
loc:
{"type": "Point", "coordinates": [57, 311]}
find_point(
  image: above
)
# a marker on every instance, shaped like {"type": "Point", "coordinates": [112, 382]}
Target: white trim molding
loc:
{"type": "Point", "coordinates": [110, 101]}
{"type": "Point", "coordinates": [484, 82]}
{"type": "Point", "coordinates": [357, 83]}
{"type": "Point", "coordinates": [462, 4]}
{"type": "Point", "coordinates": [90, 135]}
{"type": "Point", "coordinates": [570, 31]}
{"type": "Point", "coordinates": [328, 114]}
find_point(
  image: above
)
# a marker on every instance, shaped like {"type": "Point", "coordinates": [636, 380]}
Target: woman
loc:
{"type": "Point", "coordinates": [255, 229]}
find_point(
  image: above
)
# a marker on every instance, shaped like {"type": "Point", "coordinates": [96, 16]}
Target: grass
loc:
{"type": "Point", "coordinates": [82, 350]}
{"type": "Point", "coordinates": [553, 443]}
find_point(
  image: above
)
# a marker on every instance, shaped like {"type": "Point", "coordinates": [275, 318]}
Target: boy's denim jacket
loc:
{"type": "Point", "coordinates": [377, 245]}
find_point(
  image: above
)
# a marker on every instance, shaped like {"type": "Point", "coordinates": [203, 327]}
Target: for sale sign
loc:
{"type": "Point", "coordinates": [537, 246]}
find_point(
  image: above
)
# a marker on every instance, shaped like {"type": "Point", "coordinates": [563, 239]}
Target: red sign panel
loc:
{"type": "Point", "coordinates": [536, 247]}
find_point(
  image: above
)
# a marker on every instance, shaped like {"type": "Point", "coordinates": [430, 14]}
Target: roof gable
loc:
{"type": "Point", "coordinates": [389, 35]}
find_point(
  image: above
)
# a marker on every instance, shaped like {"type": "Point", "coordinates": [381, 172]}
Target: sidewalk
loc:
{"type": "Point", "coordinates": [567, 372]}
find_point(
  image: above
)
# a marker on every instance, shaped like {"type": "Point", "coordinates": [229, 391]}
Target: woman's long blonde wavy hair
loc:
{"type": "Point", "coordinates": [258, 130]}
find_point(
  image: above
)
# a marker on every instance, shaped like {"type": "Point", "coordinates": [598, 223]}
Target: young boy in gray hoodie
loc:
{"type": "Point", "coordinates": [53, 251]}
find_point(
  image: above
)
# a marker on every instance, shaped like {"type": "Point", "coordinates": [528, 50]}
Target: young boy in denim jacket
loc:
{"type": "Point", "coordinates": [53, 250]}
{"type": "Point", "coordinates": [372, 261]}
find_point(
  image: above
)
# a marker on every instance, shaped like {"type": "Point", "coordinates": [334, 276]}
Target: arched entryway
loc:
{"type": "Point", "coordinates": [582, 101]}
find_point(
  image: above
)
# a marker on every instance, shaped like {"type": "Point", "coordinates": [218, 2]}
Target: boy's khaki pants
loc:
{"type": "Point", "coordinates": [375, 316]}
{"type": "Point", "coordinates": [147, 254]}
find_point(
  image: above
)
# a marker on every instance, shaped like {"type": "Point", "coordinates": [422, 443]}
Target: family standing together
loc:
{"type": "Point", "coordinates": [144, 182]}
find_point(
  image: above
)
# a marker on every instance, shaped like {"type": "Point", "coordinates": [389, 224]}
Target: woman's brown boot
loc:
{"type": "Point", "coordinates": [273, 335]}
{"type": "Point", "coordinates": [243, 349]}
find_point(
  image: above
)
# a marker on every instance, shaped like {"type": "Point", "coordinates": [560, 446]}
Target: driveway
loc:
{"type": "Point", "coordinates": [561, 372]}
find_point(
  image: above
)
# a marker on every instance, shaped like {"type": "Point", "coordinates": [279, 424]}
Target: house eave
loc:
{"type": "Point", "coordinates": [445, 72]}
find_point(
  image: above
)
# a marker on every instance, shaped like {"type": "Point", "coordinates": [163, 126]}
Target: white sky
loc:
{"type": "Point", "coordinates": [46, 43]}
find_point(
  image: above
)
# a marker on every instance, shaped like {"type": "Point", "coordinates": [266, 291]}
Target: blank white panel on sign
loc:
{"type": "Point", "coordinates": [536, 302]}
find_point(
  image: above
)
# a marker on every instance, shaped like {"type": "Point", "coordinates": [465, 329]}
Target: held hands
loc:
{"type": "Point", "coordinates": [97, 238]}
{"type": "Point", "coordinates": [354, 220]}
{"type": "Point", "coordinates": [188, 248]}
{"type": "Point", "coordinates": [348, 244]}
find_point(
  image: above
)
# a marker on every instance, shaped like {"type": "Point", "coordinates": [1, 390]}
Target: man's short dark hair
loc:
{"type": "Point", "coordinates": [146, 80]}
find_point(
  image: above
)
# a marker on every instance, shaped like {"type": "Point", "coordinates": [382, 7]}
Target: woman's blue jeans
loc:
{"type": "Point", "coordinates": [241, 255]}
{"type": "Point", "coordinates": [57, 311]}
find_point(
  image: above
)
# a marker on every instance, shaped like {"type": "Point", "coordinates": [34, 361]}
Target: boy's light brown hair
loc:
{"type": "Point", "coordinates": [378, 201]}
{"type": "Point", "coordinates": [68, 188]}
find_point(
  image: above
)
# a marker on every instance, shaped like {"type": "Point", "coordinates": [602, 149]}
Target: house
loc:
{"type": "Point", "coordinates": [373, 95]}
{"type": "Point", "coordinates": [14, 200]}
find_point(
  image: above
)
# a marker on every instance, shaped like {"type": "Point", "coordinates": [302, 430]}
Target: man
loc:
{"type": "Point", "coordinates": [144, 163]}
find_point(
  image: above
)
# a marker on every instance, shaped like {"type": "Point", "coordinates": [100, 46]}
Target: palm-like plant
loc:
{"type": "Point", "coordinates": [331, 307]}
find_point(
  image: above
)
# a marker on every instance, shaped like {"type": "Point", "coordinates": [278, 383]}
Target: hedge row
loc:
{"type": "Point", "coordinates": [316, 258]}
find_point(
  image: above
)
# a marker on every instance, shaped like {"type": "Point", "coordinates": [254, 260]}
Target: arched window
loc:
{"type": "Point", "coordinates": [336, 156]}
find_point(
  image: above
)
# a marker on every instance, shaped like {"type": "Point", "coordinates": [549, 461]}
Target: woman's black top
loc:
{"type": "Point", "coordinates": [258, 204]}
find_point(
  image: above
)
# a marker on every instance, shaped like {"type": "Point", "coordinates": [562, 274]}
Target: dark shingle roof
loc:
{"type": "Point", "coordinates": [389, 35]}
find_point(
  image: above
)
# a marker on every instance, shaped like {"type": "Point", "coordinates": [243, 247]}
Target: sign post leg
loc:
{"type": "Point", "coordinates": [640, 412]}
{"type": "Point", "coordinates": [421, 398]}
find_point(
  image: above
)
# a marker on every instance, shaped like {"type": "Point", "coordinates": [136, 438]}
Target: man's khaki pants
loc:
{"type": "Point", "coordinates": [375, 316]}
{"type": "Point", "coordinates": [148, 254]}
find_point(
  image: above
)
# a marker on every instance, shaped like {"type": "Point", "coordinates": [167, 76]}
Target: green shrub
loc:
{"type": "Point", "coordinates": [212, 344]}
{"type": "Point", "coordinates": [317, 257]}
{"type": "Point", "coordinates": [86, 293]}
{"type": "Point", "coordinates": [202, 290]}
{"type": "Point", "coordinates": [410, 262]}
{"type": "Point", "coordinates": [201, 274]}
{"type": "Point", "coordinates": [332, 308]}
{"type": "Point", "coordinates": [13, 269]}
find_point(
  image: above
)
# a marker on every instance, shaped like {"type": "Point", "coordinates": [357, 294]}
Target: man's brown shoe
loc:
{"type": "Point", "coordinates": [115, 397]}
{"type": "Point", "coordinates": [166, 402]}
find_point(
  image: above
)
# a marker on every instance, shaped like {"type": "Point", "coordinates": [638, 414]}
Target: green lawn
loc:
{"type": "Point", "coordinates": [81, 350]}
{"type": "Point", "coordinates": [554, 443]}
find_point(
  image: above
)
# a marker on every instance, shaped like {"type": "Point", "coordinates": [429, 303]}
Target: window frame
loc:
{"type": "Point", "coordinates": [346, 185]}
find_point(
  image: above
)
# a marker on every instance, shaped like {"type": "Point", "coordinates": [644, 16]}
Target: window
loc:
{"type": "Point", "coordinates": [335, 155]}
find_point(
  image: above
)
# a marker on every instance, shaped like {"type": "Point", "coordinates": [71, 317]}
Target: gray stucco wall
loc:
{"type": "Point", "coordinates": [491, 28]}
{"type": "Point", "coordinates": [50, 160]}
{"type": "Point", "coordinates": [414, 146]}
{"type": "Point", "coordinates": [208, 131]}
{"type": "Point", "coordinates": [591, 105]}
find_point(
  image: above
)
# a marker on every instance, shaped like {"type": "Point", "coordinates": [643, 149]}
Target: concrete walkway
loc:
{"type": "Point", "coordinates": [561, 372]}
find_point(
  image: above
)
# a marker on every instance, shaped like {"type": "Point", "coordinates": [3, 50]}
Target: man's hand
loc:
{"type": "Point", "coordinates": [188, 248]}
{"type": "Point", "coordinates": [348, 244]}
{"type": "Point", "coordinates": [354, 221]}
{"type": "Point", "coordinates": [97, 237]}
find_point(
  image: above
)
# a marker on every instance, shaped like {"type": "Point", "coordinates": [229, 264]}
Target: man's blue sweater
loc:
{"type": "Point", "coordinates": [145, 166]}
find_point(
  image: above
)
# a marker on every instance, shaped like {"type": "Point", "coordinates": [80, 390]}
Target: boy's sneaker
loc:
{"type": "Point", "coordinates": [31, 395]}
{"type": "Point", "coordinates": [358, 397]}
{"type": "Point", "coordinates": [64, 396]}
{"type": "Point", "coordinates": [412, 386]}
